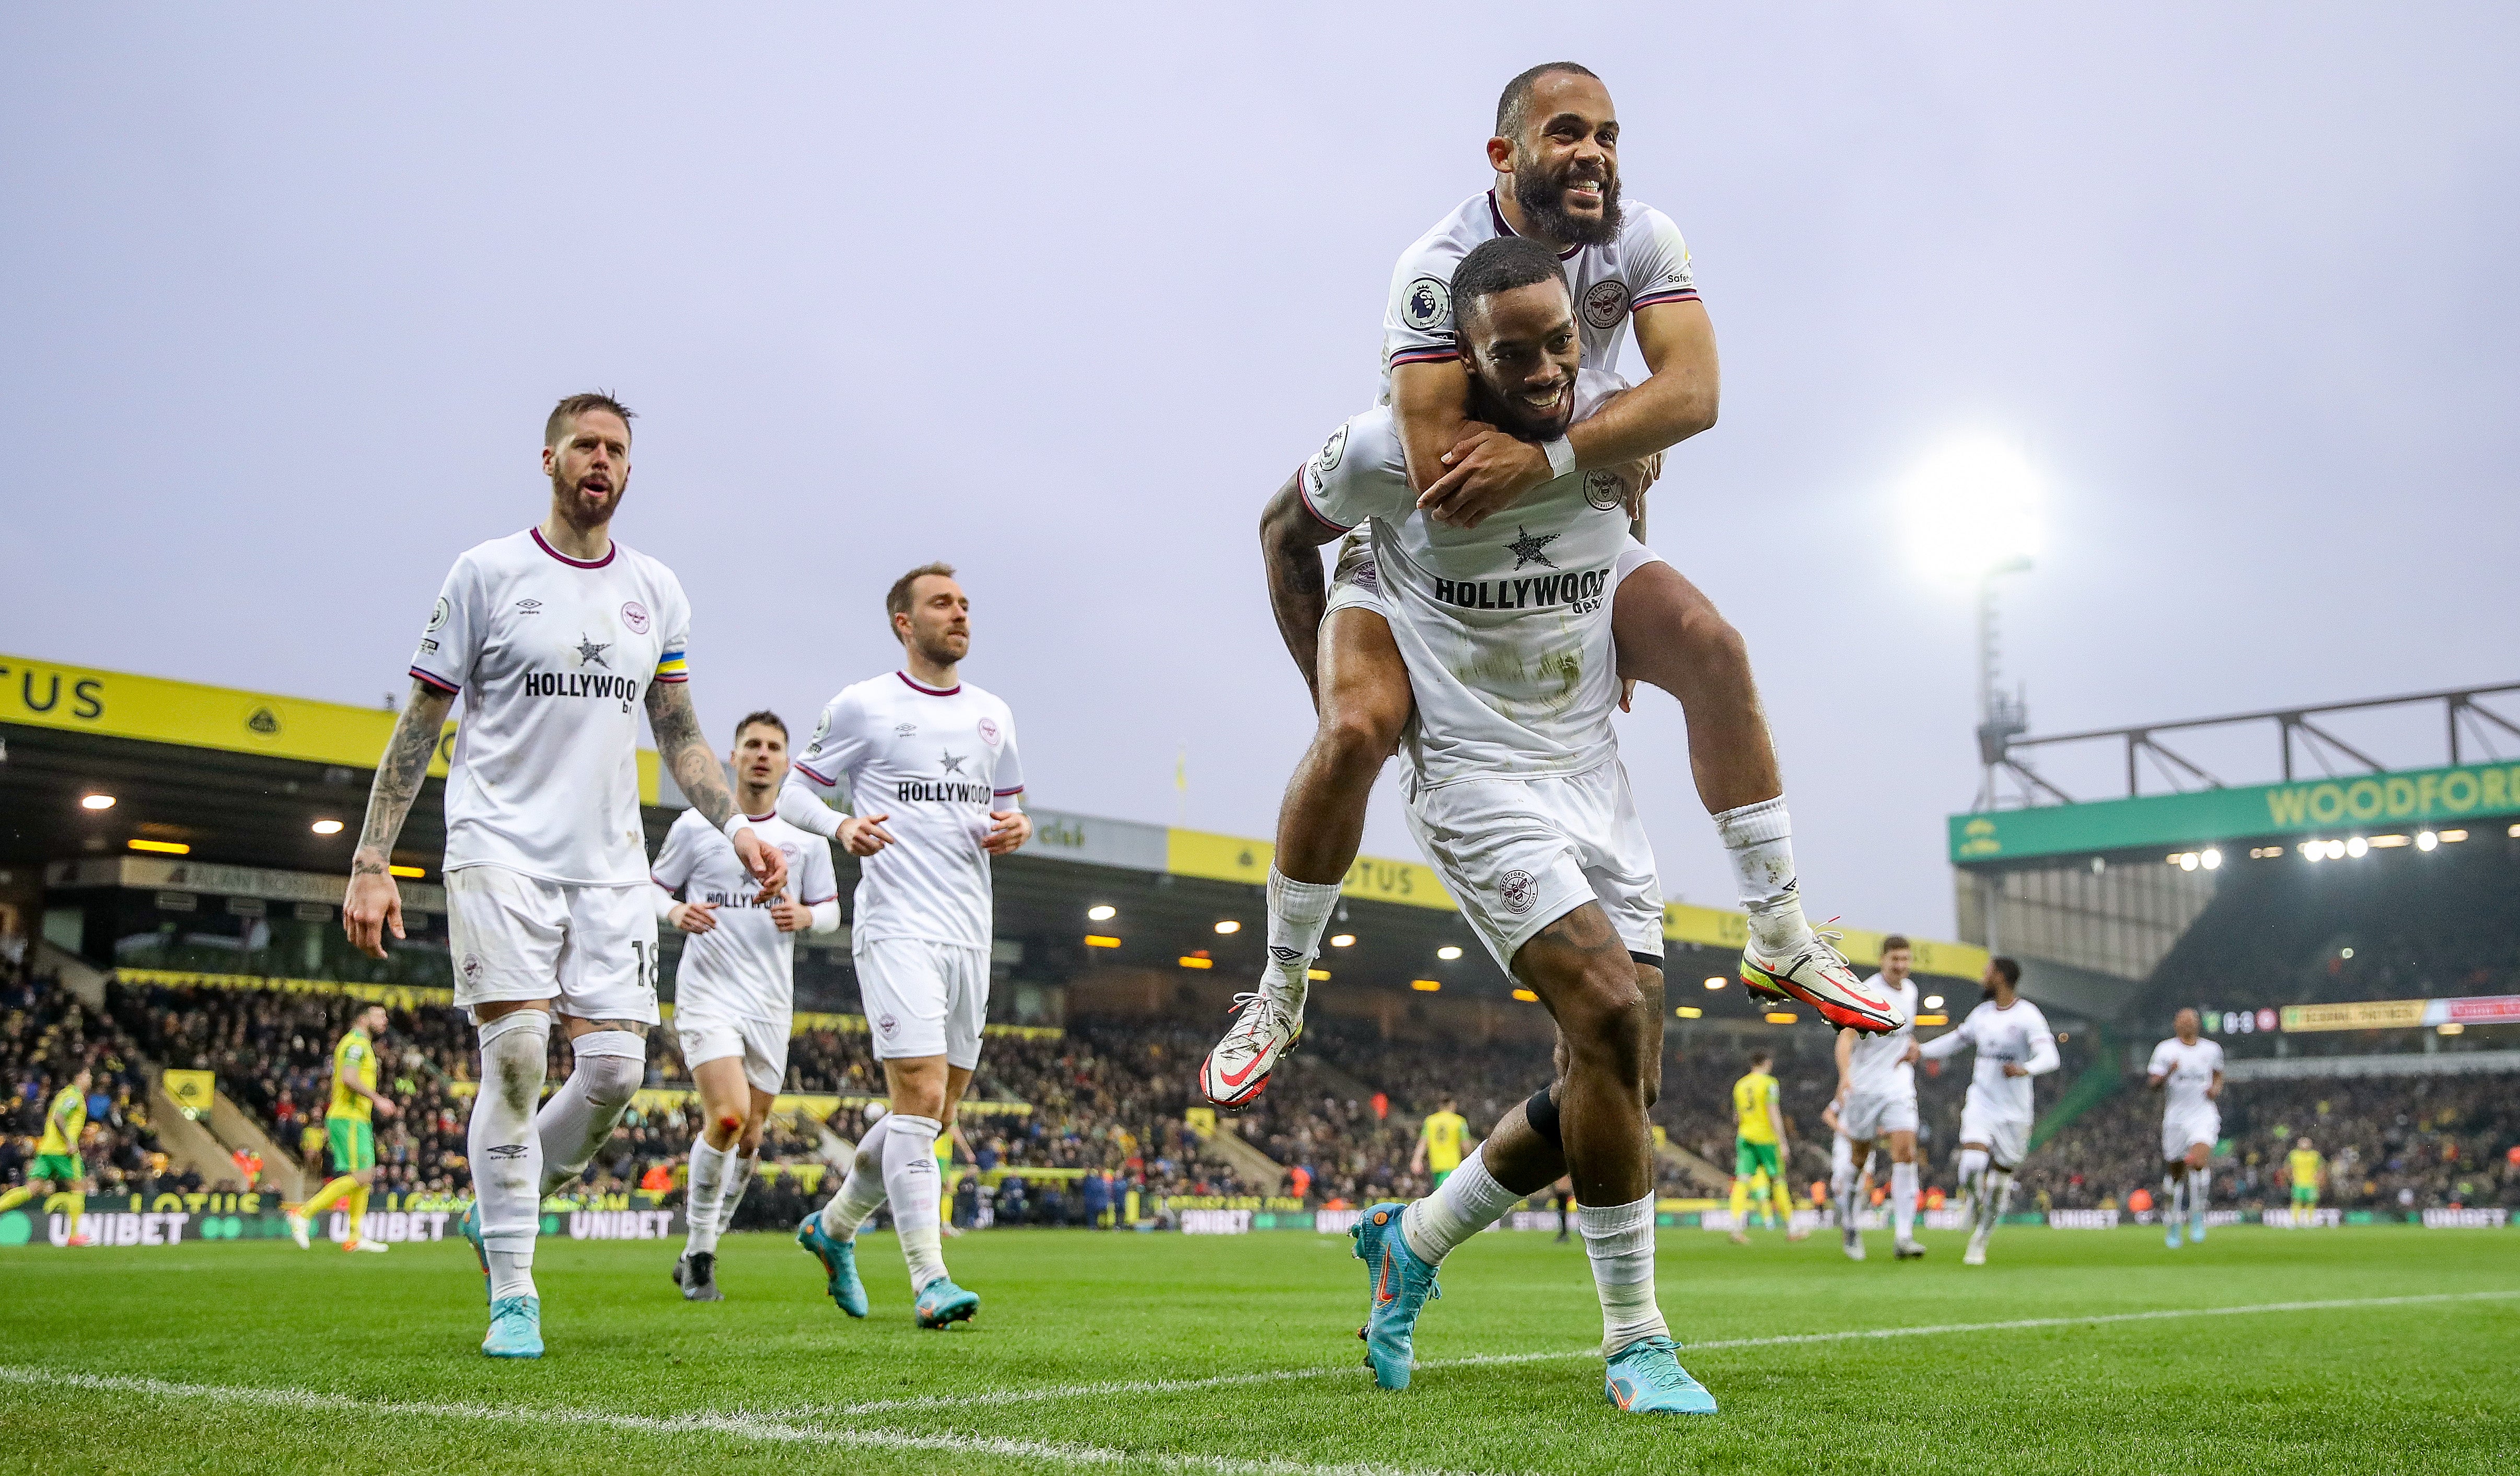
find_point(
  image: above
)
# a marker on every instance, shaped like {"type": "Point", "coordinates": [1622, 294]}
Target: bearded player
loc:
{"type": "Point", "coordinates": [556, 637]}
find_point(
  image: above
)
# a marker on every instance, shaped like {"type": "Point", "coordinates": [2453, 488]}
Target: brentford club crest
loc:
{"type": "Point", "coordinates": [989, 731]}
{"type": "Point", "coordinates": [635, 616]}
{"type": "Point", "coordinates": [885, 1024]}
{"type": "Point", "coordinates": [1605, 302]}
{"type": "Point", "coordinates": [1518, 889]}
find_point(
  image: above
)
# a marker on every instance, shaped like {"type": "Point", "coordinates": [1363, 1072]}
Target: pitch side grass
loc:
{"type": "Point", "coordinates": [2370, 1349]}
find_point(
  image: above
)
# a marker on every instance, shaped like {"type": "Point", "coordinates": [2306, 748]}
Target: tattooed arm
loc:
{"type": "Point", "coordinates": [696, 771]}
{"type": "Point", "coordinates": [1290, 541]}
{"type": "Point", "coordinates": [374, 903]}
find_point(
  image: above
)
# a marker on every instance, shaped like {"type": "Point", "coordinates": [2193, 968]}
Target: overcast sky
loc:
{"type": "Point", "coordinates": [1061, 295]}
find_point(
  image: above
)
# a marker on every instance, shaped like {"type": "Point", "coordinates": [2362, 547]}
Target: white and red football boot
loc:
{"type": "Point", "coordinates": [1264, 1029]}
{"type": "Point", "coordinates": [1819, 974]}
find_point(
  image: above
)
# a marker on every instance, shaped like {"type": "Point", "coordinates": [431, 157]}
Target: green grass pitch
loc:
{"type": "Point", "coordinates": [260, 1357]}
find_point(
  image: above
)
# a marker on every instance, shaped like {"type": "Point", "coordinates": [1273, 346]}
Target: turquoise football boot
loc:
{"type": "Point", "coordinates": [840, 1259]}
{"type": "Point", "coordinates": [2197, 1229]}
{"type": "Point", "coordinates": [1401, 1284]}
{"type": "Point", "coordinates": [468, 1224]}
{"type": "Point", "coordinates": [1645, 1378]}
{"type": "Point", "coordinates": [2171, 1239]}
{"type": "Point", "coordinates": [942, 1304]}
{"type": "Point", "coordinates": [515, 1328]}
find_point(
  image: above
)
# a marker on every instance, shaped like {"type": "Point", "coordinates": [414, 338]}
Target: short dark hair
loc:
{"type": "Point", "coordinates": [1515, 100]}
{"type": "Point", "coordinates": [897, 600]}
{"type": "Point", "coordinates": [1759, 1058]}
{"type": "Point", "coordinates": [765, 718]}
{"type": "Point", "coordinates": [575, 405]}
{"type": "Point", "coordinates": [2009, 968]}
{"type": "Point", "coordinates": [1890, 941]}
{"type": "Point", "coordinates": [1501, 265]}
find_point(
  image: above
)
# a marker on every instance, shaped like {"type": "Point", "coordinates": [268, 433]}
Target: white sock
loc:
{"type": "Point", "coordinates": [1972, 1172]}
{"type": "Point", "coordinates": [1620, 1240]}
{"type": "Point", "coordinates": [1841, 1195]}
{"type": "Point", "coordinates": [862, 1190]}
{"type": "Point", "coordinates": [2174, 1191]}
{"type": "Point", "coordinates": [609, 1067]}
{"type": "Point", "coordinates": [2198, 1182]}
{"type": "Point", "coordinates": [1466, 1203]}
{"type": "Point", "coordinates": [909, 1181]}
{"type": "Point", "coordinates": [504, 1152]}
{"type": "Point", "coordinates": [707, 1191]}
{"type": "Point", "coordinates": [1998, 1198]}
{"type": "Point", "coordinates": [1759, 838]}
{"type": "Point", "coordinates": [1298, 912]}
{"type": "Point", "coordinates": [1903, 1201]}
{"type": "Point", "coordinates": [738, 1177]}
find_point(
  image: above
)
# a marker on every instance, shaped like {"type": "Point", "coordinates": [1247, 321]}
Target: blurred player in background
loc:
{"type": "Point", "coordinates": [2306, 1171]}
{"type": "Point", "coordinates": [58, 1165]}
{"type": "Point", "coordinates": [350, 1131]}
{"type": "Point", "coordinates": [929, 763]}
{"type": "Point", "coordinates": [1439, 1142]}
{"type": "Point", "coordinates": [1555, 182]}
{"type": "Point", "coordinates": [2013, 1044]}
{"type": "Point", "coordinates": [735, 991]}
{"type": "Point", "coordinates": [556, 637]}
{"type": "Point", "coordinates": [2188, 1070]}
{"type": "Point", "coordinates": [1850, 1184]}
{"type": "Point", "coordinates": [1761, 1151]}
{"type": "Point", "coordinates": [1876, 1104]}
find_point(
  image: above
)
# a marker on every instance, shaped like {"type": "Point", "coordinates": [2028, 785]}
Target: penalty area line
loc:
{"type": "Point", "coordinates": [1111, 1388]}
{"type": "Point", "coordinates": [740, 1426]}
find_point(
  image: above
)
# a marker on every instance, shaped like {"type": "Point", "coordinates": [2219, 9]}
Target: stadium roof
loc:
{"type": "Point", "coordinates": [253, 772]}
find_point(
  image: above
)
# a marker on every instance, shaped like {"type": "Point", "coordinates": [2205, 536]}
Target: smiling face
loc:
{"type": "Point", "coordinates": [1563, 163]}
{"type": "Point", "coordinates": [589, 466]}
{"type": "Point", "coordinates": [938, 622]}
{"type": "Point", "coordinates": [1522, 351]}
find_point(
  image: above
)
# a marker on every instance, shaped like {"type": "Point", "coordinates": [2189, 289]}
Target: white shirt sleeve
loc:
{"type": "Point", "coordinates": [1354, 478]}
{"type": "Point", "coordinates": [1657, 267]}
{"type": "Point", "coordinates": [1007, 780]}
{"type": "Point", "coordinates": [1949, 1043]}
{"type": "Point", "coordinates": [821, 773]}
{"type": "Point", "coordinates": [826, 916]}
{"type": "Point", "coordinates": [2162, 1060]}
{"type": "Point", "coordinates": [818, 883]}
{"type": "Point", "coordinates": [453, 639]}
{"type": "Point", "coordinates": [2042, 1048]}
{"type": "Point", "coordinates": [1417, 320]}
{"type": "Point", "coordinates": [673, 653]}
{"type": "Point", "coordinates": [680, 856]}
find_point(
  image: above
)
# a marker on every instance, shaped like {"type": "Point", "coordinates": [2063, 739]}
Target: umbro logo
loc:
{"type": "Point", "coordinates": [904, 729]}
{"type": "Point", "coordinates": [508, 1150]}
{"type": "Point", "coordinates": [1282, 953]}
{"type": "Point", "coordinates": [528, 607]}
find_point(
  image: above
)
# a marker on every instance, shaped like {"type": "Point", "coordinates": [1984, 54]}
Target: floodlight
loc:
{"type": "Point", "coordinates": [2358, 848]}
{"type": "Point", "coordinates": [1972, 508]}
{"type": "Point", "coordinates": [2210, 859]}
{"type": "Point", "coordinates": [2426, 839]}
{"type": "Point", "coordinates": [1102, 912]}
{"type": "Point", "coordinates": [1343, 941]}
{"type": "Point", "coordinates": [1449, 951]}
{"type": "Point", "coordinates": [1229, 925]}
{"type": "Point", "coordinates": [97, 801]}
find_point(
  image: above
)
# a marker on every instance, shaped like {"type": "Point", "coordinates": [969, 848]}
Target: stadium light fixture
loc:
{"type": "Point", "coordinates": [1779, 1017]}
{"type": "Point", "coordinates": [1194, 961]}
{"type": "Point", "coordinates": [1972, 508]}
{"type": "Point", "coordinates": [1526, 996]}
{"type": "Point", "coordinates": [1715, 981]}
{"type": "Point", "coordinates": [1343, 941]}
{"type": "Point", "coordinates": [2451, 1028]}
{"type": "Point", "coordinates": [1318, 976]}
{"type": "Point", "coordinates": [413, 872]}
{"type": "Point", "coordinates": [2336, 849]}
{"type": "Point", "coordinates": [2345, 952]}
{"type": "Point", "coordinates": [2358, 848]}
{"type": "Point", "coordinates": [1933, 1001]}
{"type": "Point", "coordinates": [1102, 912]}
{"type": "Point", "coordinates": [1449, 951]}
{"type": "Point", "coordinates": [2426, 839]}
{"type": "Point", "coordinates": [1425, 986]}
{"type": "Point", "coordinates": [1689, 1012]}
{"type": "Point", "coordinates": [1100, 941]}
{"type": "Point", "coordinates": [2513, 832]}
{"type": "Point", "coordinates": [2392, 842]}
{"type": "Point", "coordinates": [96, 801]}
{"type": "Point", "coordinates": [1229, 925]}
{"type": "Point", "coordinates": [2452, 837]}
{"type": "Point", "coordinates": [2209, 860]}
{"type": "Point", "coordinates": [161, 848]}
{"type": "Point", "coordinates": [326, 827]}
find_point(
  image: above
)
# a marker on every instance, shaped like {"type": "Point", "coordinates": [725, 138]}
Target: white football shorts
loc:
{"type": "Point", "coordinates": [1518, 855]}
{"type": "Point", "coordinates": [1356, 582]}
{"type": "Point", "coordinates": [923, 998]}
{"type": "Point", "coordinates": [1869, 1116]}
{"type": "Point", "coordinates": [2182, 1130]}
{"type": "Point", "coordinates": [590, 949]}
{"type": "Point", "coordinates": [707, 1036]}
{"type": "Point", "coordinates": [2006, 1138]}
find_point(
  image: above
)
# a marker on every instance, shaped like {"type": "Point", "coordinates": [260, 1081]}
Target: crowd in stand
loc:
{"type": "Point", "coordinates": [1110, 1106]}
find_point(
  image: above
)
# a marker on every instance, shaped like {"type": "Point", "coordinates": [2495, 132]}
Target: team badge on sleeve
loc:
{"type": "Point", "coordinates": [1428, 305]}
{"type": "Point", "coordinates": [1605, 302]}
{"type": "Point", "coordinates": [437, 616]}
{"type": "Point", "coordinates": [1331, 450]}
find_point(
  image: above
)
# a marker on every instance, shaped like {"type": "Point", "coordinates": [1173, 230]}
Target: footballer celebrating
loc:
{"type": "Point", "coordinates": [1876, 1105]}
{"type": "Point", "coordinates": [2188, 1070]}
{"type": "Point", "coordinates": [928, 763]}
{"type": "Point", "coordinates": [2013, 1044]}
{"type": "Point", "coordinates": [557, 638]}
{"type": "Point", "coordinates": [735, 991]}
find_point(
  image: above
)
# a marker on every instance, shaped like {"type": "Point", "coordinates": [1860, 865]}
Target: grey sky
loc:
{"type": "Point", "coordinates": [1062, 297]}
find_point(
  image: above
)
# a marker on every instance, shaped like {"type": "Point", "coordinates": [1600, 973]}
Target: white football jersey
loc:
{"type": "Point", "coordinates": [2019, 1035]}
{"type": "Point", "coordinates": [554, 657]}
{"type": "Point", "coordinates": [1648, 262]}
{"type": "Point", "coordinates": [743, 968]}
{"type": "Point", "coordinates": [1878, 1065]}
{"type": "Point", "coordinates": [936, 763]}
{"type": "Point", "coordinates": [2186, 1072]}
{"type": "Point", "coordinates": [1505, 627]}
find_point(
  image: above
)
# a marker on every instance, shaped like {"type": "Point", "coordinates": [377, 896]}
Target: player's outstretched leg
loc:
{"type": "Point", "coordinates": [507, 1154]}
{"type": "Point", "coordinates": [1400, 1283]}
{"type": "Point", "coordinates": [1269, 1020]}
{"type": "Point", "coordinates": [830, 1234]}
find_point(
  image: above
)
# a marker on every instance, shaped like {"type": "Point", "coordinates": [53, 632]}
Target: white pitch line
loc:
{"type": "Point", "coordinates": [742, 1426]}
{"type": "Point", "coordinates": [1489, 1360]}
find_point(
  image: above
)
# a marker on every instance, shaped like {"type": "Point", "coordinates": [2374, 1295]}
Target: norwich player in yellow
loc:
{"type": "Point", "coordinates": [1759, 1151]}
{"type": "Point", "coordinates": [2307, 1170]}
{"type": "Point", "coordinates": [347, 1126]}
{"type": "Point", "coordinates": [1439, 1142]}
{"type": "Point", "coordinates": [57, 1157]}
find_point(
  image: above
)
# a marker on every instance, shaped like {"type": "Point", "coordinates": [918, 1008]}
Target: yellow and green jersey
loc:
{"type": "Point", "coordinates": [354, 1058]}
{"type": "Point", "coordinates": [1752, 1096]}
{"type": "Point", "coordinates": [2306, 1163]}
{"type": "Point", "coordinates": [1443, 1133]}
{"type": "Point", "coordinates": [64, 1122]}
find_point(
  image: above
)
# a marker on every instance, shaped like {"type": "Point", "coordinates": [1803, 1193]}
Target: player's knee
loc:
{"type": "Point", "coordinates": [610, 1081]}
{"type": "Point", "coordinates": [1356, 738]}
{"type": "Point", "coordinates": [1598, 1016]}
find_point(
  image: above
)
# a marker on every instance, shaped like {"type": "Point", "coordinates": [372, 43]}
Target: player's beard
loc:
{"type": "Point", "coordinates": [1510, 415]}
{"type": "Point", "coordinates": [937, 650]}
{"type": "Point", "coordinates": [580, 514]}
{"type": "Point", "coordinates": [1542, 195]}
